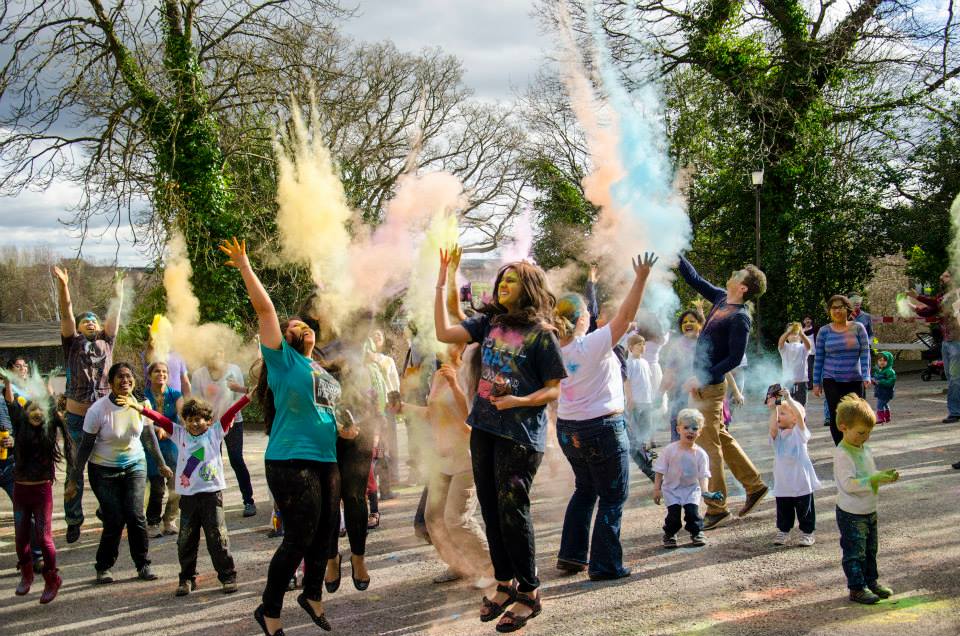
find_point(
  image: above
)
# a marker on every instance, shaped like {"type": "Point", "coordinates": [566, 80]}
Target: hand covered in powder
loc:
{"type": "Point", "coordinates": [236, 252]}
{"type": "Point", "coordinates": [70, 489]}
{"type": "Point", "coordinates": [642, 267]}
{"type": "Point", "coordinates": [446, 258]}
{"type": "Point", "coordinates": [130, 402]}
{"type": "Point", "coordinates": [166, 472]}
{"type": "Point", "coordinates": [713, 495]}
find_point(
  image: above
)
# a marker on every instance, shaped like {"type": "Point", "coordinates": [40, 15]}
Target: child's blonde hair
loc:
{"type": "Point", "coordinates": [690, 416]}
{"type": "Point", "coordinates": [853, 409]}
{"type": "Point", "coordinates": [636, 339]}
{"type": "Point", "coordinates": [794, 327]}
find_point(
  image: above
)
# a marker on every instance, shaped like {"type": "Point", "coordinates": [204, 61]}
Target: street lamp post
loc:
{"type": "Point", "coordinates": [757, 178]}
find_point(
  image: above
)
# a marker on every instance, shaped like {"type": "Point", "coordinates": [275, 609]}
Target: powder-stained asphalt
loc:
{"type": "Point", "coordinates": [739, 584]}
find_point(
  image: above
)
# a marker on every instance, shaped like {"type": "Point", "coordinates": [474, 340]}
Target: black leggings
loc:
{"type": "Point", "coordinates": [503, 471]}
{"type": "Point", "coordinates": [354, 459]}
{"type": "Point", "coordinates": [306, 493]}
{"type": "Point", "coordinates": [833, 392]}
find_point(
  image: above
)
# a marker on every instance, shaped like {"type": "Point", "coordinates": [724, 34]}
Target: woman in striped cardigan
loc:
{"type": "Point", "coordinates": [842, 362]}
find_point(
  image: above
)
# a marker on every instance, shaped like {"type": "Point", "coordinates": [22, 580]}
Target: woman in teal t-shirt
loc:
{"type": "Point", "coordinates": [298, 398]}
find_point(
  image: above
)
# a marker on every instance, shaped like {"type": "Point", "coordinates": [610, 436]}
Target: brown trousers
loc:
{"type": "Point", "coordinates": [722, 448]}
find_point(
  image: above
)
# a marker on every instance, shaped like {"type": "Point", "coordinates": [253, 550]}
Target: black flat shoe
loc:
{"type": "Point", "coordinates": [360, 584]}
{"type": "Point", "coordinates": [262, 622]}
{"type": "Point", "coordinates": [319, 621]}
{"type": "Point", "coordinates": [333, 586]}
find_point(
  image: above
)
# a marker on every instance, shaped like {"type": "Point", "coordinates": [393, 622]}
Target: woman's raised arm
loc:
{"type": "Point", "coordinates": [269, 324]}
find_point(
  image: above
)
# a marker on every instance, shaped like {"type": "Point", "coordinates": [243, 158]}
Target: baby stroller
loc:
{"type": "Point", "coordinates": [932, 355]}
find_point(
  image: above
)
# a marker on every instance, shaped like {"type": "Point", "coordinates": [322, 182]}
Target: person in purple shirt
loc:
{"type": "Point", "coordinates": [842, 361]}
{"type": "Point", "coordinates": [720, 348]}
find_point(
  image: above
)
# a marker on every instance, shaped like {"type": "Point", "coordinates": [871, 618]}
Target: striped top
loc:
{"type": "Point", "coordinates": [842, 356]}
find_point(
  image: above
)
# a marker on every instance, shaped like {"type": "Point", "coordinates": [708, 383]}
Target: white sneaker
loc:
{"type": "Point", "coordinates": [781, 538]}
{"type": "Point", "coordinates": [806, 540]}
{"type": "Point", "coordinates": [154, 532]}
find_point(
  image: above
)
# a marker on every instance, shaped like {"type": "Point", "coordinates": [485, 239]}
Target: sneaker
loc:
{"type": "Point", "coordinates": [146, 574]}
{"type": "Point", "coordinates": [447, 576]}
{"type": "Point", "coordinates": [229, 587]}
{"type": "Point", "coordinates": [26, 580]}
{"type": "Point", "coordinates": [881, 590]}
{"type": "Point", "coordinates": [863, 596]}
{"type": "Point", "coordinates": [698, 539]}
{"type": "Point", "coordinates": [170, 528]}
{"type": "Point", "coordinates": [950, 419]}
{"type": "Point", "coordinates": [104, 576]}
{"type": "Point", "coordinates": [186, 587]}
{"type": "Point", "coordinates": [752, 500]}
{"type": "Point", "coordinates": [250, 509]}
{"type": "Point", "coordinates": [669, 540]}
{"type": "Point", "coordinates": [806, 540]}
{"type": "Point", "coordinates": [781, 538]}
{"type": "Point", "coordinates": [711, 521]}
{"type": "Point", "coordinates": [73, 533]}
{"type": "Point", "coordinates": [154, 531]}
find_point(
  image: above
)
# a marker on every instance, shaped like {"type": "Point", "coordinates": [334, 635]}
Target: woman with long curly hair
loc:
{"type": "Point", "coordinates": [520, 372]}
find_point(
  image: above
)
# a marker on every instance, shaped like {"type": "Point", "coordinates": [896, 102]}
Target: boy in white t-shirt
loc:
{"type": "Point", "coordinates": [638, 391]}
{"type": "Point", "coordinates": [794, 347]}
{"type": "Point", "coordinates": [200, 484]}
{"type": "Point", "coordinates": [682, 469]}
{"type": "Point", "coordinates": [794, 478]}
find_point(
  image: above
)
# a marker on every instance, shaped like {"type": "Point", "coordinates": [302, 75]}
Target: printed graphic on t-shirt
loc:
{"type": "Point", "coordinates": [207, 472]}
{"type": "Point", "coordinates": [502, 351]}
{"type": "Point", "coordinates": [326, 390]}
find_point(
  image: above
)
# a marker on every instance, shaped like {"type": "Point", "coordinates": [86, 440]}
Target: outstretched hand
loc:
{"type": "Point", "coordinates": [130, 402]}
{"type": "Point", "coordinates": [446, 259]}
{"type": "Point", "coordinates": [456, 253]}
{"type": "Point", "coordinates": [236, 252]}
{"type": "Point", "coordinates": [642, 267]}
{"type": "Point", "coordinates": [60, 275]}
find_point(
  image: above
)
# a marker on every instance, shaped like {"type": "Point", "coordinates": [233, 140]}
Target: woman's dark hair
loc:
{"type": "Point", "coordinates": [694, 312]}
{"type": "Point", "coordinates": [841, 299]}
{"type": "Point", "coordinates": [115, 369]}
{"type": "Point", "coordinates": [12, 361]}
{"type": "Point", "coordinates": [43, 436]}
{"type": "Point", "coordinates": [195, 407]}
{"type": "Point", "coordinates": [536, 303]}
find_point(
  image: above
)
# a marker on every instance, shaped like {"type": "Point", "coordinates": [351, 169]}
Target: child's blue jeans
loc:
{"type": "Point", "coordinates": [859, 542]}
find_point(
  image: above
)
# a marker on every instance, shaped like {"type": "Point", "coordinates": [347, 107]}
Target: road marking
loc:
{"type": "Point", "coordinates": [935, 400]}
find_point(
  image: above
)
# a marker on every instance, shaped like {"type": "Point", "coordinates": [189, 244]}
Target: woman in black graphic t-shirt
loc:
{"type": "Point", "coordinates": [520, 372]}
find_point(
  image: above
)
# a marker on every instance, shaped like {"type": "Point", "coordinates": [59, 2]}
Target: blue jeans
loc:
{"type": "Point", "coordinates": [859, 543]}
{"type": "Point", "coordinates": [73, 508]}
{"type": "Point", "coordinates": [598, 452]}
{"type": "Point", "coordinates": [951, 364]}
{"type": "Point", "coordinates": [6, 484]}
{"type": "Point", "coordinates": [120, 493]}
{"type": "Point", "coordinates": [234, 440]}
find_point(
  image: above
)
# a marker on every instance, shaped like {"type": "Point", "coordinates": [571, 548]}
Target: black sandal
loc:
{"type": "Point", "coordinates": [333, 586]}
{"type": "Point", "coordinates": [321, 620]}
{"type": "Point", "coordinates": [519, 622]}
{"type": "Point", "coordinates": [262, 622]}
{"type": "Point", "coordinates": [496, 609]}
{"type": "Point", "coordinates": [360, 584]}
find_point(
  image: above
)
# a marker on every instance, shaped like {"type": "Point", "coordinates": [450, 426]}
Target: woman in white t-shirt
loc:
{"type": "Point", "coordinates": [114, 438]}
{"type": "Point", "coordinates": [592, 432]}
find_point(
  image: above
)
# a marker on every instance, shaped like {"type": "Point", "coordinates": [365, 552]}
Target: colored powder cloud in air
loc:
{"type": "Point", "coordinates": [631, 178]}
{"type": "Point", "coordinates": [955, 251]}
{"type": "Point", "coordinates": [313, 212]}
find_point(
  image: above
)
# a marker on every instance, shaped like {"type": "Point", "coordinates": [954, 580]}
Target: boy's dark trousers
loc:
{"type": "Point", "coordinates": [204, 510]}
{"type": "Point", "coordinates": [799, 507]}
{"type": "Point", "coordinates": [694, 522]}
{"type": "Point", "coordinates": [859, 542]}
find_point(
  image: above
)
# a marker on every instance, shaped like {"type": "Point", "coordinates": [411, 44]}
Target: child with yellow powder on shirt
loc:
{"type": "Point", "coordinates": [858, 481]}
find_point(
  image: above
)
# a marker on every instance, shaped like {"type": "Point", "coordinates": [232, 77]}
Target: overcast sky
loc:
{"type": "Point", "coordinates": [498, 41]}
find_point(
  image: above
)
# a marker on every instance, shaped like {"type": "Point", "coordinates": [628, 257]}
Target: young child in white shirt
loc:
{"type": "Point", "coordinates": [200, 484]}
{"type": "Point", "coordinates": [682, 469]}
{"type": "Point", "coordinates": [858, 481]}
{"type": "Point", "coordinates": [794, 347]}
{"type": "Point", "coordinates": [794, 478]}
{"type": "Point", "coordinates": [638, 391]}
